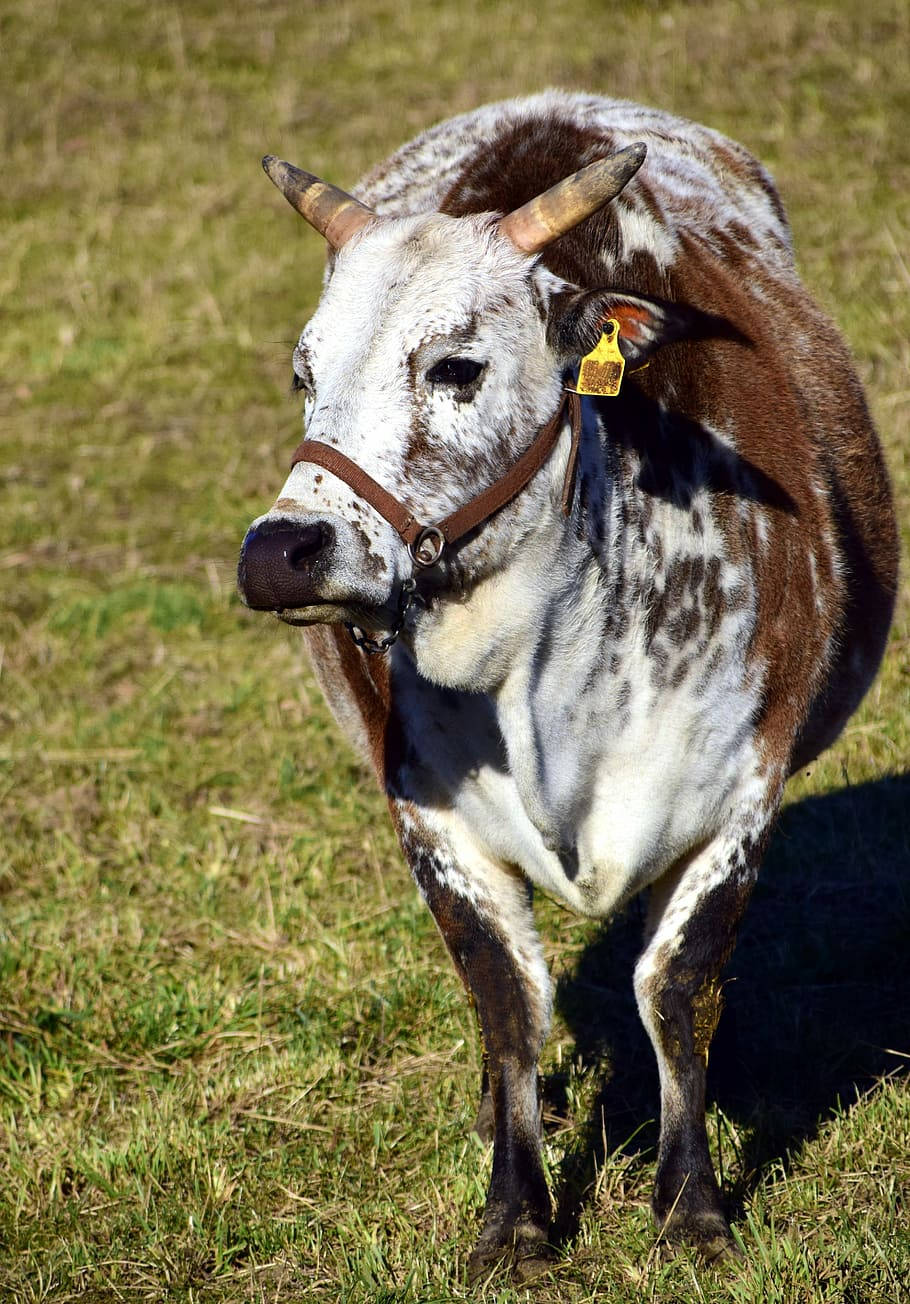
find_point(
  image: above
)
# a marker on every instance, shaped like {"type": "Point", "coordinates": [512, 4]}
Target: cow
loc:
{"type": "Point", "coordinates": [593, 545]}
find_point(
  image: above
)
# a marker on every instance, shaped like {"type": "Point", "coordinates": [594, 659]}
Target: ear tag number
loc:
{"type": "Point", "coordinates": [601, 370]}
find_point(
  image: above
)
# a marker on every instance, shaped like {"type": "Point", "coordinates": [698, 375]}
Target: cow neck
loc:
{"type": "Point", "coordinates": [427, 542]}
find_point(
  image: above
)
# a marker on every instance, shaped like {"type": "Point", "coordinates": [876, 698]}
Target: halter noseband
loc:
{"type": "Point", "coordinates": [426, 543]}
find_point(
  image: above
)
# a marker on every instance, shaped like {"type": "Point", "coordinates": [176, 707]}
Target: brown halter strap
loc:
{"type": "Point", "coordinates": [427, 542]}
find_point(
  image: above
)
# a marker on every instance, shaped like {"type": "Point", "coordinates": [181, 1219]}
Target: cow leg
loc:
{"type": "Point", "coordinates": [484, 915]}
{"type": "Point", "coordinates": [483, 1123]}
{"type": "Point", "coordinates": [691, 930]}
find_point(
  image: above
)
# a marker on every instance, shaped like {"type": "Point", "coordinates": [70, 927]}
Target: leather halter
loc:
{"type": "Point", "coordinates": [426, 543]}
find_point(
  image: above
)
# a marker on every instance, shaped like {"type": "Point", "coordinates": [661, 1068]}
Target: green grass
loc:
{"type": "Point", "coordinates": [235, 1063]}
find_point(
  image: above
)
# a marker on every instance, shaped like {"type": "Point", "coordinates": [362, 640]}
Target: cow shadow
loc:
{"type": "Point", "coordinates": [815, 1000]}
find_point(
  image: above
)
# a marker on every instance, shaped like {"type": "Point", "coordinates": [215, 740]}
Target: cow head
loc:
{"type": "Point", "coordinates": [437, 350]}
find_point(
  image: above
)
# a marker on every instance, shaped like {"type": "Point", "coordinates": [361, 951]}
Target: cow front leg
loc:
{"type": "Point", "coordinates": [484, 915]}
{"type": "Point", "coordinates": [483, 1123]}
{"type": "Point", "coordinates": [691, 930]}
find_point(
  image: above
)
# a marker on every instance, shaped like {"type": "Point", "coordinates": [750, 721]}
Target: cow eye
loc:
{"type": "Point", "coordinates": [457, 372]}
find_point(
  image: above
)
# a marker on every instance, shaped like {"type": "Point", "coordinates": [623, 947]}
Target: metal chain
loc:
{"type": "Point", "coordinates": [374, 646]}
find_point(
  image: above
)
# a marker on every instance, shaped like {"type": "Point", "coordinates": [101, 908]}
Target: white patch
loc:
{"type": "Point", "coordinates": [642, 233]}
{"type": "Point", "coordinates": [813, 580]}
{"type": "Point", "coordinates": [762, 531]}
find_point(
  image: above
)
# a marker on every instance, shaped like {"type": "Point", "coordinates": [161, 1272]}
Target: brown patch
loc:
{"type": "Point", "coordinates": [683, 627]}
{"type": "Point", "coordinates": [348, 677]}
{"type": "Point", "coordinates": [526, 159]}
{"type": "Point", "coordinates": [374, 565]}
{"type": "Point", "coordinates": [419, 442]}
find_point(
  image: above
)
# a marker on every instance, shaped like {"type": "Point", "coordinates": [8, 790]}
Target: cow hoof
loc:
{"type": "Point", "coordinates": [532, 1263]}
{"type": "Point", "coordinates": [523, 1249]}
{"type": "Point", "coordinates": [717, 1250]}
{"type": "Point", "coordinates": [708, 1234]}
{"type": "Point", "coordinates": [694, 1218]}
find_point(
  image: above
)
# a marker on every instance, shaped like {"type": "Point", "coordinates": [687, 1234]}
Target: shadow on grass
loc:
{"type": "Point", "coordinates": [816, 995]}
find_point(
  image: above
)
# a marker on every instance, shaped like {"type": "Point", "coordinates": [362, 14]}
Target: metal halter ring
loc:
{"type": "Point", "coordinates": [428, 547]}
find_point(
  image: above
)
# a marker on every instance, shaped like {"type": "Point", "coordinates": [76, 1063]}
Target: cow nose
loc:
{"type": "Point", "coordinates": [281, 564]}
{"type": "Point", "coordinates": [304, 545]}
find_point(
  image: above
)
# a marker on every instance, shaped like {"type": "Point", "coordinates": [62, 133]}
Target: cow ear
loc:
{"type": "Point", "coordinates": [577, 319]}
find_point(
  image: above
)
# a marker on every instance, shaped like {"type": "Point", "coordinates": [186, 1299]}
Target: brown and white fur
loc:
{"type": "Point", "coordinates": [613, 700]}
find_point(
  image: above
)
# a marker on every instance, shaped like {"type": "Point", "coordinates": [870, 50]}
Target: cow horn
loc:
{"type": "Point", "coordinates": [334, 213]}
{"type": "Point", "coordinates": [542, 219]}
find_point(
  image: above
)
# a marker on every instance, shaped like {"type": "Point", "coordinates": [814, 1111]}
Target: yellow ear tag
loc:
{"type": "Point", "coordinates": [601, 370]}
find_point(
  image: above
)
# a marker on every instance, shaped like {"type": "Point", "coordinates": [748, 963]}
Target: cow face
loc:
{"type": "Point", "coordinates": [427, 364]}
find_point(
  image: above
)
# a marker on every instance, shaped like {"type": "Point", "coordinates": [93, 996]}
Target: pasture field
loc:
{"type": "Point", "coordinates": [235, 1061]}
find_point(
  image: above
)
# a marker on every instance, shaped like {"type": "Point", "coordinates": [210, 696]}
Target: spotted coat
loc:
{"type": "Point", "coordinates": [612, 700]}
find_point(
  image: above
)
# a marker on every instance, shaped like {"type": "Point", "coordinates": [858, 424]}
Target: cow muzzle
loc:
{"type": "Point", "coordinates": [313, 570]}
{"type": "Point", "coordinates": [282, 564]}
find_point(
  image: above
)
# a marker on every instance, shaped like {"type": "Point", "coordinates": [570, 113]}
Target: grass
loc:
{"type": "Point", "coordinates": [235, 1063]}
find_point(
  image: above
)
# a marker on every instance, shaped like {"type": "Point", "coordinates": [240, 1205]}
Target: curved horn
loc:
{"type": "Point", "coordinates": [540, 221]}
{"type": "Point", "coordinates": [334, 213]}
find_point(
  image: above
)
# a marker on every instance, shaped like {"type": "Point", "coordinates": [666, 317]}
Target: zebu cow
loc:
{"type": "Point", "coordinates": [621, 621]}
